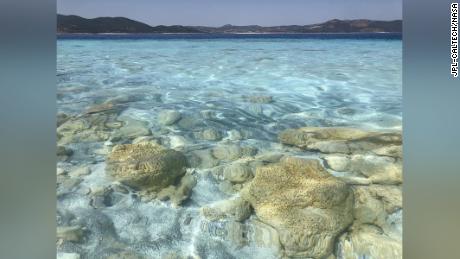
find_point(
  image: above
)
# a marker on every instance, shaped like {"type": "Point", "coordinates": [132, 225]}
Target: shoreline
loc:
{"type": "Point", "coordinates": [226, 33]}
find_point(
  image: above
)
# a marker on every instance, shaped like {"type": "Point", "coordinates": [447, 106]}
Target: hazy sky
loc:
{"type": "Point", "coordinates": [237, 12]}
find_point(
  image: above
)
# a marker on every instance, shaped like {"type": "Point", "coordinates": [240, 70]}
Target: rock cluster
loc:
{"type": "Point", "coordinates": [371, 163]}
{"type": "Point", "coordinates": [343, 140]}
{"type": "Point", "coordinates": [303, 202]}
{"type": "Point", "coordinates": [90, 127]}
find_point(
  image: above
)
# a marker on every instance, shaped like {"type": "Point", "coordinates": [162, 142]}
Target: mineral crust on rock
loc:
{"type": "Point", "coordinates": [306, 205]}
{"type": "Point", "coordinates": [145, 165]}
{"type": "Point", "coordinates": [343, 140]}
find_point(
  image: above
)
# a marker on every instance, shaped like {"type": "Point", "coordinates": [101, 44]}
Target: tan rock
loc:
{"type": "Point", "coordinates": [145, 165]}
{"type": "Point", "coordinates": [367, 241]}
{"type": "Point", "coordinates": [264, 235]}
{"type": "Point", "coordinates": [236, 209]}
{"type": "Point", "coordinates": [131, 129]}
{"type": "Point", "coordinates": [367, 208]}
{"type": "Point", "coordinates": [374, 203]}
{"type": "Point", "coordinates": [88, 128]}
{"type": "Point", "coordinates": [237, 173]}
{"type": "Point", "coordinates": [101, 108]}
{"type": "Point", "coordinates": [231, 151]}
{"type": "Point", "coordinates": [378, 169]}
{"type": "Point", "coordinates": [340, 140]}
{"type": "Point", "coordinates": [145, 139]}
{"type": "Point", "coordinates": [339, 163]}
{"type": "Point", "coordinates": [181, 192]}
{"type": "Point", "coordinates": [72, 233]}
{"type": "Point", "coordinates": [209, 134]}
{"type": "Point", "coordinates": [303, 202]}
{"type": "Point", "coordinates": [80, 171]}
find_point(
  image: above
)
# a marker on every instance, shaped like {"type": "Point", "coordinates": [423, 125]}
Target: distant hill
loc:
{"type": "Point", "coordinates": [77, 24]}
{"type": "Point", "coordinates": [332, 26]}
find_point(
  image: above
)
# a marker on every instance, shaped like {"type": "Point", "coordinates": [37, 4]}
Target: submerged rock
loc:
{"type": "Point", "coordinates": [367, 241]}
{"type": "Point", "coordinates": [145, 165]}
{"type": "Point", "coordinates": [264, 235]}
{"type": "Point", "coordinates": [209, 134]}
{"type": "Point", "coordinates": [341, 140]}
{"type": "Point", "coordinates": [232, 151]}
{"type": "Point", "coordinates": [124, 99]}
{"type": "Point", "coordinates": [177, 141]}
{"type": "Point", "coordinates": [236, 209]}
{"type": "Point", "coordinates": [271, 157]}
{"type": "Point", "coordinates": [202, 159]}
{"type": "Point", "coordinates": [258, 98]}
{"type": "Point", "coordinates": [61, 118]}
{"type": "Point", "coordinates": [88, 128]}
{"type": "Point", "coordinates": [103, 108]}
{"type": "Point", "coordinates": [60, 171]}
{"type": "Point", "coordinates": [208, 114]}
{"type": "Point", "coordinates": [180, 193]}
{"type": "Point", "coordinates": [374, 203]}
{"type": "Point", "coordinates": [303, 202]}
{"type": "Point", "coordinates": [378, 169]}
{"type": "Point", "coordinates": [169, 117]}
{"type": "Point", "coordinates": [80, 171]}
{"type": "Point", "coordinates": [237, 173]}
{"type": "Point", "coordinates": [106, 196]}
{"type": "Point", "coordinates": [63, 153]}
{"type": "Point", "coordinates": [235, 135]}
{"type": "Point", "coordinates": [230, 231]}
{"type": "Point", "coordinates": [131, 129]}
{"type": "Point", "coordinates": [150, 139]}
{"type": "Point", "coordinates": [191, 122]}
{"type": "Point", "coordinates": [72, 233]}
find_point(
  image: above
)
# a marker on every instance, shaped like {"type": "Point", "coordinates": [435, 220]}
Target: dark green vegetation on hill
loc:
{"type": "Point", "coordinates": [77, 24]}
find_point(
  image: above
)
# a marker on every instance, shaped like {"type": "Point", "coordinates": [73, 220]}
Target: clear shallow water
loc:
{"type": "Point", "coordinates": [313, 81]}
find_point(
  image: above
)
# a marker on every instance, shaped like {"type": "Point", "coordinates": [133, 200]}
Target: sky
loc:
{"type": "Point", "coordinates": [236, 12]}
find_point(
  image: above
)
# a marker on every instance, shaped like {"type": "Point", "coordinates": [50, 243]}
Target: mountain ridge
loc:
{"type": "Point", "coordinates": [76, 24]}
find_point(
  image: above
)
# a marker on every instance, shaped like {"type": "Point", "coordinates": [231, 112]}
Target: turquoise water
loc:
{"type": "Point", "coordinates": [312, 82]}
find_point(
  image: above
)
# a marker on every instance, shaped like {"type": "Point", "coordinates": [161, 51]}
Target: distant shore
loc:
{"type": "Point", "coordinates": [206, 36]}
{"type": "Point", "coordinates": [77, 24]}
{"type": "Point", "coordinates": [220, 33]}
